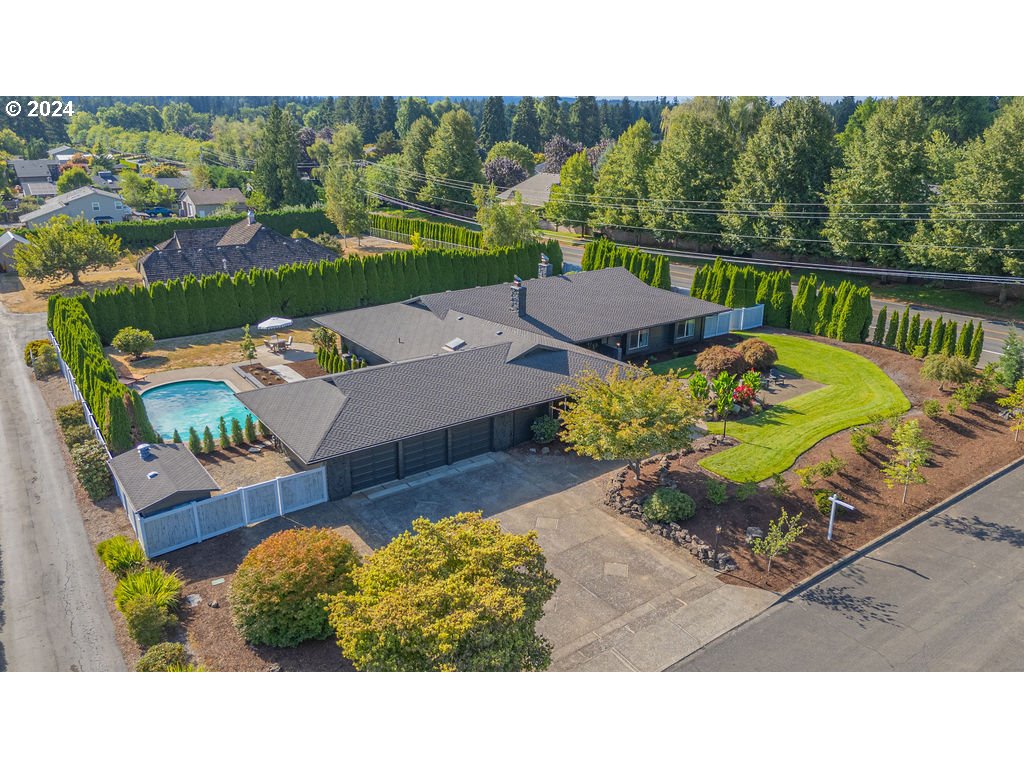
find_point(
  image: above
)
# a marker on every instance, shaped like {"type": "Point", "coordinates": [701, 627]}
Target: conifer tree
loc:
{"type": "Point", "coordinates": [208, 445]}
{"type": "Point", "coordinates": [175, 438]}
{"type": "Point", "coordinates": [193, 441]}
{"type": "Point", "coordinates": [977, 344]}
{"type": "Point", "coordinates": [925, 339]}
{"type": "Point", "coordinates": [935, 346]}
{"type": "Point", "coordinates": [901, 334]}
{"type": "Point", "coordinates": [879, 334]}
{"type": "Point", "coordinates": [890, 335]}
{"type": "Point", "coordinates": [963, 344]}
{"type": "Point", "coordinates": [237, 436]}
{"type": "Point", "coordinates": [949, 341]}
{"type": "Point", "coordinates": [225, 439]}
{"type": "Point", "coordinates": [914, 334]}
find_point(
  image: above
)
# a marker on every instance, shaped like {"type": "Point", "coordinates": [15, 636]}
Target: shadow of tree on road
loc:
{"type": "Point", "coordinates": [860, 609]}
{"type": "Point", "coordinates": [982, 530]}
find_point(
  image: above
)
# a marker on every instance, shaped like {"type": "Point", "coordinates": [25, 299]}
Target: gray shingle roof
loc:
{"type": "Point", "coordinates": [54, 204]}
{"type": "Point", "coordinates": [243, 246]}
{"type": "Point", "coordinates": [327, 417]}
{"type": "Point", "coordinates": [407, 331]}
{"type": "Point", "coordinates": [536, 190]}
{"type": "Point", "coordinates": [39, 188]}
{"type": "Point", "coordinates": [32, 169]}
{"type": "Point", "coordinates": [180, 477]}
{"type": "Point", "coordinates": [216, 196]}
{"type": "Point", "coordinates": [575, 307]}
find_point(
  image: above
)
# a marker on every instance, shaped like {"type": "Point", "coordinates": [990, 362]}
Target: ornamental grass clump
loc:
{"type": "Point", "coordinates": [147, 598]}
{"type": "Point", "coordinates": [279, 592]}
{"type": "Point", "coordinates": [121, 556]}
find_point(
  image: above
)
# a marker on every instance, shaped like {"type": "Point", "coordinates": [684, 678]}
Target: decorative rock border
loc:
{"type": "Point", "coordinates": [673, 532]}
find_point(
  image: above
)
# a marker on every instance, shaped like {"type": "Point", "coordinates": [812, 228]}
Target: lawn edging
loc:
{"type": "Point", "coordinates": [899, 530]}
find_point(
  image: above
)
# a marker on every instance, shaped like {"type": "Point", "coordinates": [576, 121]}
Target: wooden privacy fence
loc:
{"type": "Point", "coordinates": [200, 520]}
{"type": "Point", "coordinates": [740, 319]}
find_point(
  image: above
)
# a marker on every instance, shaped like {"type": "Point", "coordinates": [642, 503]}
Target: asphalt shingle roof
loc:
{"type": "Point", "coordinates": [180, 476]}
{"type": "Point", "coordinates": [334, 415]}
{"type": "Point", "coordinates": [216, 196]}
{"type": "Point", "coordinates": [54, 204]}
{"type": "Point", "coordinates": [536, 190]}
{"type": "Point", "coordinates": [243, 246]}
{"type": "Point", "coordinates": [576, 307]}
{"type": "Point", "coordinates": [32, 169]}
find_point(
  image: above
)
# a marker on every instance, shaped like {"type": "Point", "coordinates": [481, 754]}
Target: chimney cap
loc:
{"type": "Point", "coordinates": [517, 281]}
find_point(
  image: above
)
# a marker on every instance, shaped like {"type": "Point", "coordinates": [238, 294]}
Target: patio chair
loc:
{"type": "Point", "coordinates": [775, 377]}
{"type": "Point", "coordinates": [288, 344]}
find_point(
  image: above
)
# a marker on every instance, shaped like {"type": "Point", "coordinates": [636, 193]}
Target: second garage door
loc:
{"type": "Point", "coordinates": [374, 466]}
{"type": "Point", "coordinates": [471, 439]}
{"type": "Point", "coordinates": [424, 452]}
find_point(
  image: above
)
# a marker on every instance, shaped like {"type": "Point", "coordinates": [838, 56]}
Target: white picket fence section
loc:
{"type": "Point", "coordinates": [740, 319]}
{"type": "Point", "coordinates": [200, 520]}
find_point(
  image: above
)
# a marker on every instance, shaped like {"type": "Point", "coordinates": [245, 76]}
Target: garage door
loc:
{"type": "Point", "coordinates": [426, 452]}
{"type": "Point", "coordinates": [374, 466]}
{"type": "Point", "coordinates": [471, 439]}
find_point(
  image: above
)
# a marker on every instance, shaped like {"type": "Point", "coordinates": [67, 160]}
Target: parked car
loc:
{"type": "Point", "coordinates": [158, 211]}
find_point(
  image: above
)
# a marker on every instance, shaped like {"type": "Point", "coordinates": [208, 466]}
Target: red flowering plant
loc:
{"type": "Point", "coordinates": [743, 395]}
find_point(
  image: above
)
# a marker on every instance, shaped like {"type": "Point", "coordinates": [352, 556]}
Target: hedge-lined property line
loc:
{"type": "Point", "coordinates": [842, 312]}
{"type": "Point", "coordinates": [452, 234]}
{"type": "Point", "coordinates": [118, 411]}
{"type": "Point", "coordinates": [652, 269]}
{"type": "Point", "coordinates": [735, 286]}
{"type": "Point", "coordinates": [908, 334]}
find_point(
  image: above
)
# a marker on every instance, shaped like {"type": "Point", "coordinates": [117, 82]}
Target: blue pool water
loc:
{"type": "Point", "coordinates": [198, 404]}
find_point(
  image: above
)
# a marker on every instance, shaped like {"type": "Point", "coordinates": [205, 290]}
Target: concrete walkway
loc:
{"type": "Point", "coordinates": [626, 601]}
{"type": "Point", "coordinates": [947, 595]}
{"type": "Point", "coordinates": [53, 616]}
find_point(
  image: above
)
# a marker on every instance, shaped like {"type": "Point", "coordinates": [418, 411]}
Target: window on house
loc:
{"type": "Point", "coordinates": [95, 206]}
{"type": "Point", "coordinates": [685, 329]}
{"type": "Point", "coordinates": [638, 339]}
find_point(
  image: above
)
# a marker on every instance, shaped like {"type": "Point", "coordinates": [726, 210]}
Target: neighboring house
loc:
{"type": "Point", "coordinates": [35, 171]}
{"type": "Point", "coordinates": [64, 153]}
{"type": "Point", "coordinates": [536, 190]}
{"type": "Point", "coordinates": [88, 202]}
{"type": "Point", "coordinates": [42, 189]}
{"type": "Point", "coordinates": [8, 242]}
{"type": "Point", "coordinates": [467, 372]}
{"type": "Point", "coordinates": [200, 203]}
{"type": "Point", "coordinates": [158, 477]}
{"type": "Point", "coordinates": [210, 250]}
{"type": "Point", "coordinates": [106, 180]}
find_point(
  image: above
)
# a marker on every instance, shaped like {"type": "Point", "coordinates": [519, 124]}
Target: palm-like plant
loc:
{"type": "Point", "coordinates": [156, 583]}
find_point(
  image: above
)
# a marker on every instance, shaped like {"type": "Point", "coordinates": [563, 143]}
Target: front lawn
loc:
{"type": "Point", "coordinates": [856, 390]}
{"type": "Point", "coordinates": [683, 365]}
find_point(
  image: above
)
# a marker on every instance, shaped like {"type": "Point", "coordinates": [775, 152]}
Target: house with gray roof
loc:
{"type": "Point", "coordinates": [87, 202]}
{"type": "Point", "coordinates": [158, 477]}
{"type": "Point", "coordinates": [200, 203]}
{"type": "Point", "coordinates": [35, 171]}
{"type": "Point", "coordinates": [241, 246]}
{"type": "Point", "coordinates": [8, 242]}
{"type": "Point", "coordinates": [462, 373]}
{"type": "Point", "coordinates": [535, 191]}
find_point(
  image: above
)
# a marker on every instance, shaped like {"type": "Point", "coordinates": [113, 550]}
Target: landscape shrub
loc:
{"type": "Point", "coordinates": [154, 582]}
{"type": "Point", "coordinates": [545, 429]}
{"type": "Point", "coordinates": [932, 408]}
{"type": "Point", "coordinates": [134, 342]}
{"type": "Point", "coordinates": [968, 394]}
{"type": "Point", "coordinates": [147, 619]}
{"type": "Point", "coordinates": [667, 505]}
{"type": "Point", "coordinates": [827, 468]}
{"type": "Point", "coordinates": [77, 433]}
{"type": "Point", "coordinates": [859, 441]}
{"type": "Point", "coordinates": [822, 502]}
{"type": "Point", "coordinates": [951, 407]}
{"type": "Point", "coordinates": [45, 363]}
{"type": "Point", "coordinates": [757, 354]}
{"type": "Point", "coordinates": [250, 429]}
{"type": "Point", "coordinates": [716, 491]}
{"type": "Point", "coordinates": [33, 348]}
{"type": "Point", "coordinates": [121, 556]}
{"type": "Point", "coordinates": [716, 359]}
{"type": "Point", "coordinates": [90, 460]}
{"type": "Point", "coordinates": [237, 436]}
{"type": "Point", "coordinates": [194, 443]}
{"type": "Point", "coordinates": [746, 491]}
{"type": "Point", "coordinates": [779, 486]}
{"type": "Point", "coordinates": [208, 445]}
{"type": "Point", "coordinates": [699, 386]}
{"type": "Point", "coordinates": [70, 414]}
{"type": "Point", "coordinates": [163, 657]}
{"type": "Point", "coordinates": [278, 589]}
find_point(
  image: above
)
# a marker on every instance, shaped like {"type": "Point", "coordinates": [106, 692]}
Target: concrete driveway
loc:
{"type": "Point", "coordinates": [626, 601]}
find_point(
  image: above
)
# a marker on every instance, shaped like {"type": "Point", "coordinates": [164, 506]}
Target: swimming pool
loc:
{"type": "Point", "coordinates": [184, 404]}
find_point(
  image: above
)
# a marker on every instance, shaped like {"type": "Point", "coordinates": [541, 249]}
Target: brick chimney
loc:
{"type": "Point", "coordinates": [518, 299]}
{"type": "Point", "coordinates": [544, 268]}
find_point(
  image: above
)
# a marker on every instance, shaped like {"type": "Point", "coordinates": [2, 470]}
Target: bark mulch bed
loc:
{"type": "Point", "coordinates": [966, 447]}
{"type": "Point", "coordinates": [206, 631]}
{"type": "Point", "coordinates": [263, 375]}
{"type": "Point", "coordinates": [308, 369]}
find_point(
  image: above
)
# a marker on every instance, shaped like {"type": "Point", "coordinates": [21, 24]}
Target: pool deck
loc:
{"type": "Point", "coordinates": [227, 373]}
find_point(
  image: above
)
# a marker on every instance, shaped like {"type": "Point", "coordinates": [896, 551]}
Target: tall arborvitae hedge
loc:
{"type": "Point", "coordinates": [735, 286]}
{"type": "Point", "coordinates": [438, 232]}
{"type": "Point", "coordinates": [217, 302]}
{"type": "Point", "coordinates": [653, 269]}
{"type": "Point", "coordinates": [118, 411]}
{"type": "Point", "coordinates": [938, 337]}
{"type": "Point", "coordinates": [901, 333]}
{"type": "Point", "coordinates": [805, 305]}
{"type": "Point", "coordinates": [879, 334]}
{"type": "Point", "coordinates": [925, 339]}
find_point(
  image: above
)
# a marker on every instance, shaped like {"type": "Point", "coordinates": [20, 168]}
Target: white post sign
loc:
{"type": "Point", "coordinates": [832, 515]}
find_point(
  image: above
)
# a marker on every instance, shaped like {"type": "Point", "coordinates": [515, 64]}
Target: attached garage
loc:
{"type": "Point", "coordinates": [523, 421]}
{"type": "Point", "coordinates": [424, 452]}
{"type": "Point", "coordinates": [471, 439]}
{"type": "Point", "coordinates": [374, 466]}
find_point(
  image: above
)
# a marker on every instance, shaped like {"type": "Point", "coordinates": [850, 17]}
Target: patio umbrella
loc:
{"type": "Point", "coordinates": [274, 324]}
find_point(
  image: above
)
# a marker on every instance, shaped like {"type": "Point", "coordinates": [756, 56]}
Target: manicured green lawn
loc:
{"type": "Point", "coordinates": [855, 391]}
{"type": "Point", "coordinates": [682, 364]}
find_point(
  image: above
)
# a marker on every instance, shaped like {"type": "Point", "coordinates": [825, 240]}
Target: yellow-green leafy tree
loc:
{"type": "Point", "coordinates": [458, 594]}
{"type": "Point", "coordinates": [628, 415]}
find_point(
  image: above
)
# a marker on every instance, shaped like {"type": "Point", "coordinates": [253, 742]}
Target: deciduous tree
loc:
{"type": "Point", "coordinates": [503, 224]}
{"type": "Point", "coordinates": [910, 452]}
{"type": "Point", "coordinates": [622, 180]}
{"type": "Point", "coordinates": [569, 202]}
{"type": "Point", "coordinates": [452, 157]}
{"type": "Point", "coordinates": [65, 247]}
{"type": "Point", "coordinates": [782, 533]}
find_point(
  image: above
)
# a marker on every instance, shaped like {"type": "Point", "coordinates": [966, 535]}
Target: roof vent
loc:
{"type": "Point", "coordinates": [152, 475]}
{"type": "Point", "coordinates": [455, 344]}
{"type": "Point", "coordinates": [498, 333]}
{"type": "Point", "coordinates": [460, 317]}
{"type": "Point", "coordinates": [143, 449]}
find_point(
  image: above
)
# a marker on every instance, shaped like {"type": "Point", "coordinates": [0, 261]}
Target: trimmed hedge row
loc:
{"type": "Point", "coordinates": [652, 269]}
{"type": "Point", "coordinates": [429, 230]}
{"type": "Point", "coordinates": [842, 312]}
{"type": "Point", "coordinates": [216, 302]}
{"type": "Point", "coordinates": [734, 286]}
{"type": "Point", "coordinates": [912, 336]}
{"type": "Point", "coordinates": [118, 411]}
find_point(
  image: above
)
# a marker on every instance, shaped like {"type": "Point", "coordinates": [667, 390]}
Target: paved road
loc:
{"type": "Point", "coordinates": [52, 611]}
{"type": "Point", "coordinates": [947, 595]}
{"type": "Point", "coordinates": [995, 330]}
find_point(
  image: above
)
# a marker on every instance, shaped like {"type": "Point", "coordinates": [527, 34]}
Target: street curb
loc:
{"type": "Point", "coordinates": [871, 546]}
